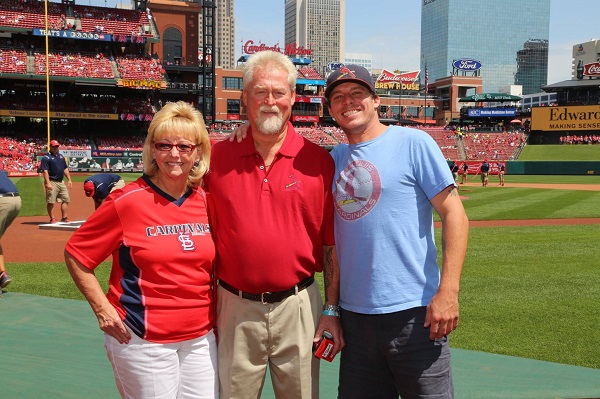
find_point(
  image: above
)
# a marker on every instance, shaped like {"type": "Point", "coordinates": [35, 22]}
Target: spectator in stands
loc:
{"type": "Point", "coordinates": [394, 279]}
{"type": "Point", "coordinates": [10, 205]}
{"type": "Point", "coordinates": [54, 169]}
{"type": "Point", "coordinates": [99, 186]}
{"type": "Point", "coordinates": [158, 315]}
{"type": "Point", "coordinates": [267, 293]}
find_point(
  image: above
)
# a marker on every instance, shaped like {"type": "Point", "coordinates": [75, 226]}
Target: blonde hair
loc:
{"type": "Point", "coordinates": [180, 119]}
{"type": "Point", "coordinates": [273, 60]}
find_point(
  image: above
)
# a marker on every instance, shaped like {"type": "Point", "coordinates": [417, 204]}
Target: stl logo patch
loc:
{"type": "Point", "coordinates": [294, 183]}
{"type": "Point", "coordinates": [186, 242]}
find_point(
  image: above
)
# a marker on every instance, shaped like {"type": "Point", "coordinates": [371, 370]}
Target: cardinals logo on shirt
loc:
{"type": "Point", "coordinates": [358, 189]}
{"type": "Point", "coordinates": [186, 242]}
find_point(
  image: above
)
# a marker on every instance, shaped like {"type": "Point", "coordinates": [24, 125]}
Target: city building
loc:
{"type": "Point", "coordinates": [318, 25]}
{"type": "Point", "coordinates": [224, 31]}
{"type": "Point", "coordinates": [364, 60]}
{"type": "Point", "coordinates": [508, 38]}
{"type": "Point", "coordinates": [531, 72]}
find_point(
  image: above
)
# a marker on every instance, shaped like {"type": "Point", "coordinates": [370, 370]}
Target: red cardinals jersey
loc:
{"type": "Point", "coordinates": [162, 254]}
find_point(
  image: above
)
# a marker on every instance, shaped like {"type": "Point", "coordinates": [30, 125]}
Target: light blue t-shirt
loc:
{"type": "Point", "coordinates": [384, 220]}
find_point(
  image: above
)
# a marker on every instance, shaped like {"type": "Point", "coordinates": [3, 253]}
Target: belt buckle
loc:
{"type": "Point", "coordinates": [262, 297]}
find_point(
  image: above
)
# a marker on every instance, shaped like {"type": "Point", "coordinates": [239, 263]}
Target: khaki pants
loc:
{"type": "Point", "coordinates": [9, 210]}
{"type": "Point", "coordinates": [253, 336]}
{"type": "Point", "coordinates": [59, 193]}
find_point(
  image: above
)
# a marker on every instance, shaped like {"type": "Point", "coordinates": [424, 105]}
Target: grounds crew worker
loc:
{"type": "Point", "coordinates": [99, 186]}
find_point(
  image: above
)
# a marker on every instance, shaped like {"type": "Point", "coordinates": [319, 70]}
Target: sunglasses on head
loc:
{"type": "Point", "coordinates": [181, 147]}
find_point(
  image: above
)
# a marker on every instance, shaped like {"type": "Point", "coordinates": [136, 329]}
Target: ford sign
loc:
{"type": "Point", "coordinates": [466, 64]}
{"type": "Point", "coordinates": [332, 66]}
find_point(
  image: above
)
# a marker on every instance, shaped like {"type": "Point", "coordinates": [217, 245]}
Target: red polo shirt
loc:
{"type": "Point", "coordinates": [271, 225]}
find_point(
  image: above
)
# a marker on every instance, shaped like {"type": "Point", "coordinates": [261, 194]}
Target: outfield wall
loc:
{"type": "Point", "coordinates": [553, 168]}
{"type": "Point", "coordinates": [536, 167]}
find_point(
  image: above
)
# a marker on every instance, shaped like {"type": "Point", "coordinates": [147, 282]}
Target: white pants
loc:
{"type": "Point", "coordinates": [144, 369]}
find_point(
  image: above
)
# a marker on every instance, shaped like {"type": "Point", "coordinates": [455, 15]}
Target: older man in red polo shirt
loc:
{"type": "Point", "coordinates": [274, 230]}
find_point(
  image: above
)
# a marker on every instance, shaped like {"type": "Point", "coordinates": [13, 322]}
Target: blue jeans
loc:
{"type": "Point", "coordinates": [391, 356]}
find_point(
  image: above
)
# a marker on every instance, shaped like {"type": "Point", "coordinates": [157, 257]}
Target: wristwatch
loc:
{"type": "Point", "coordinates": [331, 310]}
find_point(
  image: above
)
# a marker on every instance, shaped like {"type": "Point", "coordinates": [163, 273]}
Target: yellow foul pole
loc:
{"type": "Point", "coordinates": [47, 75]}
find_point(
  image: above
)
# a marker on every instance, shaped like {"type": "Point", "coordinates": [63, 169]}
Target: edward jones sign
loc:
{"type": "Point", "coordinates": [585, 117]}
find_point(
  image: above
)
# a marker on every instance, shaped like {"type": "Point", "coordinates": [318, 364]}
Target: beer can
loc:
{"type": "Point", "coordinates": [324, 348]}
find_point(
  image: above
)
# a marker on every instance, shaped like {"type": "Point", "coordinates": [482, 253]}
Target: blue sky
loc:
{"type": "Point", "coordinates": [390, 30]}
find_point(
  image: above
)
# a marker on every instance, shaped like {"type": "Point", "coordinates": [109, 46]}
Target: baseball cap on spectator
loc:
{"type": "Point", "coordinates": [54, 143]}
{"type": "Point", "coordinates": [89, 188]}
{"type": "Point", "coordinates": [349, 73]}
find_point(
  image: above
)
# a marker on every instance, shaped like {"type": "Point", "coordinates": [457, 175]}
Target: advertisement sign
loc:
{"type": "Point", "coordinates": [76, 153]}
{"type": "Point", "coordinates": [290, 49]}
{"type": "Point", "coordinates": [592, 69]}
{"type": "Point", "coordinates": [310, 100]}
{"type": "Point", "coordinates": [491, 112]}
{"type": "Point", "coordinates": [305, 118]}
{"type": "Point", "coordinates": [391, 81]}
{"type": "Point", "coordinates": [466, 64]}
{"type": "Point", "coordinates": [71, 34]}
{"type": "Point", "coordinates": [142, 84]}
{"type": "Point", "coordinates": [115, 153]}
{"type": "Point", "coordinates": [131, 163]}
{"type": "Point", "coordinates": [58, 115]}
{"type": "Point", "coordinates": [585, 117]}
{"type": "Point", "coordinates": [332, 66]}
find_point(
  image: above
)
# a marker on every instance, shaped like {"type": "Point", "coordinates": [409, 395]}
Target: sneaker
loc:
{"type": "Point", "coordinates": [65, 220]}
{"type": "Point", "coordinates": [53, 220]}
{"type": "Point", "coordinates": [4, 279]}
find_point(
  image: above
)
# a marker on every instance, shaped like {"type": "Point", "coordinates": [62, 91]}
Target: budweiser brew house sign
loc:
{"type": "Point", "coordinates": [290, 49]}
{"type": "Point", "coordinates": [392, 81]}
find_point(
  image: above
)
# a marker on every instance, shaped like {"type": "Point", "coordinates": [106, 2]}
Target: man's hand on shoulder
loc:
{"type": "Point", "coordinates": [239, 133]}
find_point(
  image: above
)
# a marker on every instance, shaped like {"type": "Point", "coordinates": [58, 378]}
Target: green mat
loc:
{"type": "Point", "coordinates": [52, 348]}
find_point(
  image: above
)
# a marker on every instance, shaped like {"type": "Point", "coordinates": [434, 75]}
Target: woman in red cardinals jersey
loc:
{"type": "Point", "coordinates": [158, 315]}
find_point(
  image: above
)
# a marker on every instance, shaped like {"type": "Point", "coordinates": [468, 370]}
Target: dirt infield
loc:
{"type": "Point", "coordinates": [26, 242]}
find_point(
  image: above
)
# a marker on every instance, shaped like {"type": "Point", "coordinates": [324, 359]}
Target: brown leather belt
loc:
{"type": "Point", "coordinates": [269, 297]}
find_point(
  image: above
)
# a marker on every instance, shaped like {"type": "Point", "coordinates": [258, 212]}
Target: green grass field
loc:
{"type": "Point", "coordinates": [526, 291]}
{"type": "Point", "coordinates": [578, 152]}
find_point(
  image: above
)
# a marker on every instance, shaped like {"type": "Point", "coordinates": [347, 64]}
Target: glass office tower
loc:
{"type": "Point", "coordinates": [509, 38]}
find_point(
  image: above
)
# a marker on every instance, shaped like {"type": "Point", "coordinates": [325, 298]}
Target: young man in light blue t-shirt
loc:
{"type": "Point", "coordinates": [397, 309]}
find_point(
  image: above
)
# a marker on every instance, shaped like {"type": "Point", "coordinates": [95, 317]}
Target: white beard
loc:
{"type": "Point", "coordinates": [271, 124]}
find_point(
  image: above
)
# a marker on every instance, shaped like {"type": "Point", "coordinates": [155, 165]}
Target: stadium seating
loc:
{"type": "Point", "coordinates": [17, 13]}
{"type": "Point", "coordinates": [310, 73]}
{"type": "Point", "coordinates": [492, 145]}
{"type": "Point", "coordinates": [72, 64]}
{"type": "Point", "coordinates": [13, 61]}
{"type": "Point", "coordinates": [131, 67]}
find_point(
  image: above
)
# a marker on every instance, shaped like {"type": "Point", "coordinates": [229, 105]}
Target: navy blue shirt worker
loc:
{"type": "Point", "coordinates": [99, 186]}
{"type": "Point", "coordinates": [54, 168]}
{"type": "Point", "coordinates": [485, 171]}
{"type": "Point", "coordinates": [10, 205]}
